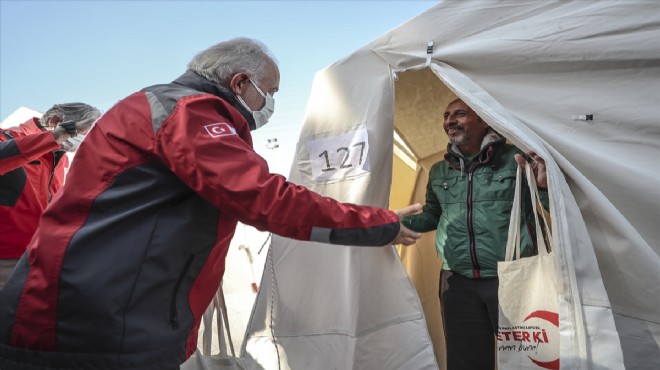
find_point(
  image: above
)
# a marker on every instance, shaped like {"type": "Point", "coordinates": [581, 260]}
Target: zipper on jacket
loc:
{"type": "Point", "coordinates": [484, 157]}
{"type": "Point", "coordinates": [56, 161]}
{"type": "Point", "coordinates": [174, 315]}
{"type": "Point", "coordinates": [473, 245]}
{"type": "Point", "coordinates": [50, 179]}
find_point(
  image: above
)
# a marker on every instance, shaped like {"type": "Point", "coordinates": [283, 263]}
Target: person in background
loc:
{"type": "Point", "coordinates": [124, 263]}
{"type": "Point", "coordinates": [469, 196]}
{"type": "Point", "coordinates": [32, 168]}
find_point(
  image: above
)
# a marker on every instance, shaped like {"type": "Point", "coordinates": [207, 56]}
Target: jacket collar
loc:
{"type": "Point", "coordinates": [457, 160]}
{"type": "Point", "coordinates": [490, 137]}
{"type": "Point", "coordinates": [194, 81]}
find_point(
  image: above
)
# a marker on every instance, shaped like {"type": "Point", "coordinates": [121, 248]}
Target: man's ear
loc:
{"type": "Point", "coordinates": [238, 83]}
{"type": "Point", "coordinates": [53, 121]}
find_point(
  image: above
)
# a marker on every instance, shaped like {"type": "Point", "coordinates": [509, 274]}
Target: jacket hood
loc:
{"type": "Point", "coordinates": [457, 160]}
{"type": "Point", "coordinates": [490, 137]}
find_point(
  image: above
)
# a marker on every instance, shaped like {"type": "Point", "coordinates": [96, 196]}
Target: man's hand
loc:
{"type": "Point", "coordinates": [61, 134]}
{"type": "Point", "coordinates": [538, 166]}
{"type": "Point", "coordinates": [407, 236]}
{"type": "Point", "coordinates": [83, 126]}
{"type": "Point", "coordinates": [410, 210]}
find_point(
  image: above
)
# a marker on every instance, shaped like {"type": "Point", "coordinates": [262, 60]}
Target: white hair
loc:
{"type": "Point", "coordinates": [77, 112]}
{"type": "Point", "coordinates": [222, 61]}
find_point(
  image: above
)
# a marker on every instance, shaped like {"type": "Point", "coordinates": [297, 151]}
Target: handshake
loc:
{"type": "Point", "coordinates": [407, 236]}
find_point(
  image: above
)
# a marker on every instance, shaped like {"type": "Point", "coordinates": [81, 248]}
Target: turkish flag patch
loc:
{"type": "Point", "coordinates": [220, 129]}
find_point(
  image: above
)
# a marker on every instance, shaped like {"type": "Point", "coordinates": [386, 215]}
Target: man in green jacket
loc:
{"type": "Point", "coordinates": [468, 202]}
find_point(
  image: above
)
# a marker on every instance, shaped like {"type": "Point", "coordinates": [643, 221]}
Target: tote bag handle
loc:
{"type": "Point", "coordinates": [536, 200]}
{"type": "Point", "coordinates": [513, 240]}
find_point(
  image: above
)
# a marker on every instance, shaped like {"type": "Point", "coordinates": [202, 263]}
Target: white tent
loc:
{"type": "Point", "coordinates": [19, 116]}
{"type": "Point", "coordinates": [577, 82]}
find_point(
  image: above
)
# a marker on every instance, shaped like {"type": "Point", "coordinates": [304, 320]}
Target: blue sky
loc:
{"type": "Point", "coordinates": [98, 52]}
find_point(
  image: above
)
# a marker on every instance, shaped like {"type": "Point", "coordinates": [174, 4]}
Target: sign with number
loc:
{"type": "Point", "coordinates": [339, 157]}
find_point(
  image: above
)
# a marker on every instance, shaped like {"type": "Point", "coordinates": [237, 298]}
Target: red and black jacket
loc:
{"type": "Point", "coordinates": [31, 171]}
{"type": "Point", "coordinates": [124, 264]}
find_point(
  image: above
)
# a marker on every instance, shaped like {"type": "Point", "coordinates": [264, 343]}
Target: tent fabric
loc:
{"type": "Point", "coordinates": [349, 310]}
{"type": "Point", "coordinates": [534, 71]}
{"type": "Point", "coordinates": [332, 307]}
{"type": "Point", "coordinates": [19, 116]}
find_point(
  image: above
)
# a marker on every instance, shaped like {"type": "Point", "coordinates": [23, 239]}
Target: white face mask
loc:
{"type": "Point", "coordinates": [261, 116]}
{"type": "Point", "coordinates": [72, 144]}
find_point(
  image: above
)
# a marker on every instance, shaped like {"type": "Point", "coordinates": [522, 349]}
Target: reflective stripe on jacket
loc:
{"type": "Point", "coordinates": [125, 263]}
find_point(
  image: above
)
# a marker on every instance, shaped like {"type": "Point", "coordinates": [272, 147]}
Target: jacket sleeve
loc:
{"type": "Point", "coordinates": [205, 142]}
{"type": "Point", "coordinates": [21, 150]}
{"type": "Point", "coordinates": [429, 218]}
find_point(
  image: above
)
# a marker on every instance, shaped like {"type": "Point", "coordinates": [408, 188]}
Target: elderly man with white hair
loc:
{"type": "Point", "coordinates": [123, 266]}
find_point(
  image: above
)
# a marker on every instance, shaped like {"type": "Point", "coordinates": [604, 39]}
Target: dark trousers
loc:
{"type": "Point", "coordinates": [469, 310]}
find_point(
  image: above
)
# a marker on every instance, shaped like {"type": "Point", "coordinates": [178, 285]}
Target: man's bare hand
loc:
{"type": "Point", "coordinates": [410, 210]}
{"type": "Point", "coordinates": [538, 166]}
{"type": "Point", "coordinates": [407, 236]}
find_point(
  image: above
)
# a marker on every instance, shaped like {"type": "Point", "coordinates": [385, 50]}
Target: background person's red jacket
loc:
{"type": "Point", "coordinates": [30, 174]}
{"type": "Point", "coordinates": [129, 254]}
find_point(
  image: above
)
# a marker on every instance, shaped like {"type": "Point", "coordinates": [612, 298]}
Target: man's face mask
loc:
{"type": "Point", "coordinates": [72, 144]}
{"type": "Point", "coordinates": [261, 116]}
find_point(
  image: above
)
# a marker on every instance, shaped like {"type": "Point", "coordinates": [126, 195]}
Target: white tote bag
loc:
{"type": "Point", "coordinates": [528, 333]}
{"type": "Point", "coordinates": [204, 360]}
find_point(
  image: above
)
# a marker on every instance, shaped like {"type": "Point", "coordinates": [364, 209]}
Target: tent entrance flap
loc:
{"type": "Point", "coordinates": [420, 99]}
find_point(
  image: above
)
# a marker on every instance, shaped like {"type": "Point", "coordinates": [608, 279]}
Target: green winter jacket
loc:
{"type": "Point", "coordinates": [469, 204]}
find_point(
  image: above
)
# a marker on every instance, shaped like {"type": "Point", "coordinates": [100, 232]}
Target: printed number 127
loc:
{"type": "Point", "coordinates": [347, 155]}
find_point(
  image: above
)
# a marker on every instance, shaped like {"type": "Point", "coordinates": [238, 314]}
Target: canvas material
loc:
{"type": "Point", "coordinates": [605, 207]}
{"type": "Point", "coordinates": [214, 362]}
{"type": "Point", "coordinates": [333, 307]}
{"type": "Point", "coordinates": [603, 198]}
{"type": "Point", "coordinates": [528, 335]}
